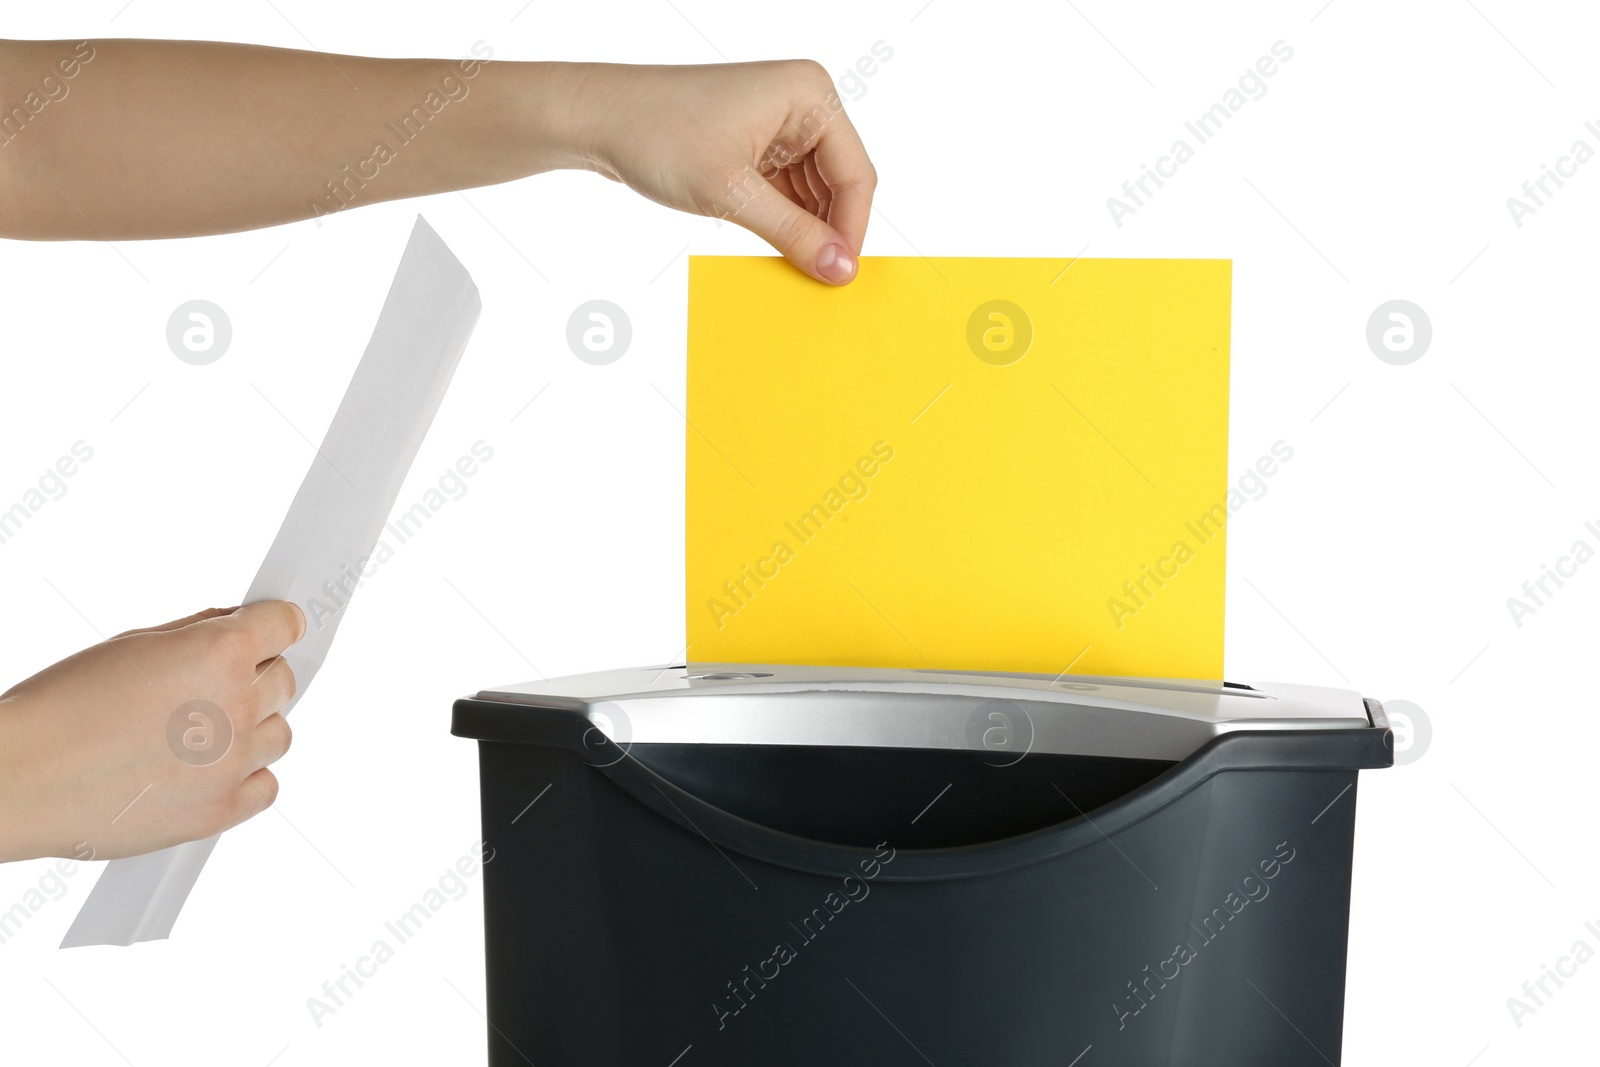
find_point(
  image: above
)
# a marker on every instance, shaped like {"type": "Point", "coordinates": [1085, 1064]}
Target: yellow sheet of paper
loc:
{"type": "Point", "coordinates": [995, 464]}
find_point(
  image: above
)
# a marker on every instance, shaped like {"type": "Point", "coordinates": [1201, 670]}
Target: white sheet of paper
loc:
{"type": "Point", "coordinates": [333, 524]}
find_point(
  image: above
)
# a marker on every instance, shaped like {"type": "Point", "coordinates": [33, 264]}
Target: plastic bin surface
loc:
{"type": "Point", "coordinates": [780, 865]}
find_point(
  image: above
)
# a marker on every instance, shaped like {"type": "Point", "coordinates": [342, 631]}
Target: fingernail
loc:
{"type": "Point", "coordinates": [836, 264]}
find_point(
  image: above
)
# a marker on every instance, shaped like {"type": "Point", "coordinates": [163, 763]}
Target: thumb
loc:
{"type": "Point", "coordinates": [805, 240]}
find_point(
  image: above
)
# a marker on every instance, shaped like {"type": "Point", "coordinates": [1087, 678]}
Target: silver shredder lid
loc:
{"type": "Point", "coordinates": [775, 704]}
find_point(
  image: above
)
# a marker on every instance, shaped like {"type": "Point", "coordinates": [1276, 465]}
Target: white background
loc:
{"type": "Point", "coordinates": [1419, 498]}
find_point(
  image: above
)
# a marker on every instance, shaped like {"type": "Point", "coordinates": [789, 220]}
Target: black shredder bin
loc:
{"type": "Point", "coordinates": [774, 865]}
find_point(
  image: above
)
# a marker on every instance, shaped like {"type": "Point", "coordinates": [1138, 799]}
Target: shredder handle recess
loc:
{"type": "Point", "coordinates": [570, 728]}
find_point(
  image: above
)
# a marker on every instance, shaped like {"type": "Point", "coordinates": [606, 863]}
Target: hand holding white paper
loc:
{"type": "Point", "coordinates": [330, 530]}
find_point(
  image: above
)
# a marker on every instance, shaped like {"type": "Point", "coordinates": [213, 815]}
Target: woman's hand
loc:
{"type": "Point", "coordinates": [765, 145]}
{"type": "Point", "coordinates": [162, 139]}
{"type": "Point", "coordinates": [150, 739]}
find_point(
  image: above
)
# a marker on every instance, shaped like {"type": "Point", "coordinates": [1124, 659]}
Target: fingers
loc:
{"type": "Point", "coordinates": [273, 688]}
{"type": "Point", "coordinates": [804, 190]}
{"type": "Point", "coordinates": [254, 796]}
{"type": "Point", "coordinates": [781, 180]}
{"type": "Point", "coordinates": [268, 627]}
{"type": "Point", "coordinates": [269, 741]}
{"type": "Point", "coordinates": [845, 170]}
{"type": "Point", "coordinates": [821, 195]}
{"type": "Point", "coordinates": [815, 205]}
{"type": "Point", "coordinates": [805, 240]}
{"type": "Point", "coordinates": [267, 744]}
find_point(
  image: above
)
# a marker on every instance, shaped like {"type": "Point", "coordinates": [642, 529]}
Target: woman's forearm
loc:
{"type": "Point", "coordinates": [140, 139]}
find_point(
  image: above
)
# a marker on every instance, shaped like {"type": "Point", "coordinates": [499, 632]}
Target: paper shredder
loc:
{"type": "Point", "coordinates": [784, 865]}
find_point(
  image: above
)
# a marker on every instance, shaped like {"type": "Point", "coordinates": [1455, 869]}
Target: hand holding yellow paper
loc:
{"type": "Point", "coordinates": [996, 464]}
